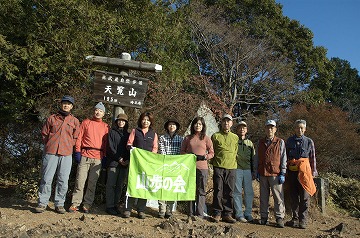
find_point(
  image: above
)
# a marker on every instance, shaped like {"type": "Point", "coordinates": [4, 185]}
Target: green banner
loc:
{"type": "Point", "coordinates": [162, 177]}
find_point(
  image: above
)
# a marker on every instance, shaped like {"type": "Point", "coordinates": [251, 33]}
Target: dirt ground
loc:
{"type": "Point", "coordinates": [18, 220]}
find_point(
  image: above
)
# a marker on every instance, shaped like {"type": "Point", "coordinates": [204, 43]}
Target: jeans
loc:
{"type": "Point", "coordinates": [61, 165]}
{"type": "Point", "coordinates": [267, 183]}
{"type": "Point", "coordinates": [243, 181]}
{"type": "Point", "coordinates": [116, 177]}
{"type": "Point", "coordinates": [88, 169]}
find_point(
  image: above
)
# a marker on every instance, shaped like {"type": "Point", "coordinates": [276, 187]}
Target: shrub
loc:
{"type": "Point", "coordinates": [344, 193]}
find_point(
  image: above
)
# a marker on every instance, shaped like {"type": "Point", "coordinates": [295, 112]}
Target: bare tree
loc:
{"type": "Point", "coordinates": [246, 73]}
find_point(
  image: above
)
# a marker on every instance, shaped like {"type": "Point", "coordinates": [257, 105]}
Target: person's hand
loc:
{"type": "Point", "coordinates": [77, 157]}
{"type": "Point", "coordinates": [130, 147]}
{"type": "Point", "coordinates": [200, 157]}
{"type": "Point", "coordinates": [281, 178]}
{"type": "Point", "coordinates": [122, 162]}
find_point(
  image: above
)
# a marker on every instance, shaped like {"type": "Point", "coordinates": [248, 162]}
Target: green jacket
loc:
{"type": "Point", "coordinates": [225, 148]}
{"type": "Point", "coordinates": [245, 155]}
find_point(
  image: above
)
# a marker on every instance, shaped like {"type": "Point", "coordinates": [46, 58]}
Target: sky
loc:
{"type": "Point", "coordinates": [334, 23]}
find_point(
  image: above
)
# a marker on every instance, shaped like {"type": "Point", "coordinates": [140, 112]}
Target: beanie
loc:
{"type": "Point", "coordinates": [100, 106]}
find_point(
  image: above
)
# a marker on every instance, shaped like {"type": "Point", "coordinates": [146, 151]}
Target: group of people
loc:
{"type": "Point", "coordinates": [236, 163]}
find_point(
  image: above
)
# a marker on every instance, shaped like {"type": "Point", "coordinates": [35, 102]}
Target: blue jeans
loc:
{"type": "Point", "coordinates": [243, 181]}
{"type": "Point", "coordinates": [61, 165]}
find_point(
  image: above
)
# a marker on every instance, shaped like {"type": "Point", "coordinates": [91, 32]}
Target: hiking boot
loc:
{"type": "Point", "coordinates": [73, 209]}
{"type": "Point", "coordinates": [249, 218]}
{"type": "Point", "coordinates": [168, 215]}
{"type": "Point", "coordinates": [215, 218]}
{"type": "Point", "coordinates": [60, 210]}
{"type": "Point", "coordinates": [86, 208]}
{"type": "Point", "coordinates": [141, 215]}
{"type": "Point", "coordinates": [228, 219]}
{"type": "Point", "coordinates": [126, 214]}
{"type": "Point", "coordinates": [241, 219]}
{"type": "Point", "coordinates": [292, 223]}
{"type": "Point", "coordinates": [263, 221]}
{"type": "Point", "coordinates": [162, 216]}
{"type": "Point", "coordinates": [302, 225]}
{"type": "Point", "coordinates": [40, 209]}
{"type": "Point", "coordinates": [280, 222]}
{"type": "Point", "coordinates": [111, 211]}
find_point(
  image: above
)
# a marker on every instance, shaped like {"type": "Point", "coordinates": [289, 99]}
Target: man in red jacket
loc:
{"type": "Point", "coordinates": [59, 134]}
{"type": "Point", "coordinates": [90, 149]}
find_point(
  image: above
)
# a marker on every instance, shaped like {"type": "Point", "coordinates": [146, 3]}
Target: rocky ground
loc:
{"type": "Point", "coordinates": [18, 220]}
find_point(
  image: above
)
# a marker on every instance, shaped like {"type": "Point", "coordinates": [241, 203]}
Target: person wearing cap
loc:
{"type": "Point", "coordinates": [143, 137]}
{"type": "Point", "coordinates": [200, 144]}
{"type": "Point", "coordinates": [118, 157]}
{"type": "Point", "coordinates": [59, 134]}
{"type": "Point", "coordinates": [90, 149]}
{"type": "Point", "coordinates": [169, 144]}
{"type": "Point", "coordinates": [244, 171]}
{"type": "Point", "coordinates": [301, 170]}
{"type": "Point", "coordinates": [270, 164]}
{"type": "Point", "coordinates": [225, 164]}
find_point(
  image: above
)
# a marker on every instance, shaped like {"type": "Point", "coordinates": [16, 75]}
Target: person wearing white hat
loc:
{"type": "Point", "coordinates": [90, 150]}
{"type": "Point", "coordinates": [270, 165]}
{"type": "Point", "coordinates": [244, 171]}
{"type": "Point", "coordinates": [224, 163]}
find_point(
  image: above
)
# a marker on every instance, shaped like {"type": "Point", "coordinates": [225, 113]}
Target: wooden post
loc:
{"type": "Point", "coordinates": [124, 72]}
{"type": "Point", "coordinates": [320, 191]}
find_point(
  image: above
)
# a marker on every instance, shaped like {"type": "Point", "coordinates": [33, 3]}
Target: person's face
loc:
{"type": "Point", "coordinates": [300, 129]}
{"type": "Point", "coordinates": [99, 113]}
{"type": "Point", "coordinates": [66, 106]}
{"type": "Point", "coordinates": [121, 123]}
{"type": "Point", "coordinates": [171, 127]}
{"type": "Point", "coordinates": [145, 122]}
{"type": "Point", "coordinates": [198, 126]}
{"type": "Point", "coordinates": [241, 130]}
{"type": "Point", "coordinates": [270, 131]}
{"type": "Point", "coordinates": [226, 124]}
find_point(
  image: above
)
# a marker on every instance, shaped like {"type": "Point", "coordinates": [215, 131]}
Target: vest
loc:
{"type": "Point", "coordinates": [300, 148]}
{"type": "Point", "coordinates": [142, 141]}
{"type": "Point", "coordinates": [269, 157]}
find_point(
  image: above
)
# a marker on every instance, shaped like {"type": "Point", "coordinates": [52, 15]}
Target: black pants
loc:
{"type": "Point", "coordinates": [201, 181]}
{"type": "Point", "coordinates": [300, 199]}
{"type": "Point", "coordinates": [223, 185]}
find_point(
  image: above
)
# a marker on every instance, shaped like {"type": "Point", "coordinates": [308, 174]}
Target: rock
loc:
{"type": "Point", "coordinates": [82, 218]}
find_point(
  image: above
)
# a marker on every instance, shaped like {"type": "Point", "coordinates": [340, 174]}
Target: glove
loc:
{"type": "Point", "coordinates": [77, 157]}
{"type": "Point", "coordinates": [200, 158]}
{"type": "Point", "coordinates": [281, 178]}
{"type": "Point", "coordinates": [103, 162]}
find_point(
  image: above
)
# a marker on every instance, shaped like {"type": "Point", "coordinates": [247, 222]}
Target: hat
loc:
{"type": "Point", "coordinates": [68, 99]}
{"type": "Point", "coordinates": [242, 123]}
{"type": "Point", "coordinates": [270, 122]}
{"type": "Point", "coordinates": [100, 106]}
{"type": "Point", "coordinates": [226, 116]}
{"type": "Point", "coordinates": [174, 121]}
{"type": "Point", "coordinates": [122, 116]}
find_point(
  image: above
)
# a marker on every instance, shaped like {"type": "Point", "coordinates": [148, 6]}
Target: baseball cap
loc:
{"type": "Point", "coordinates": [270, 122]}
